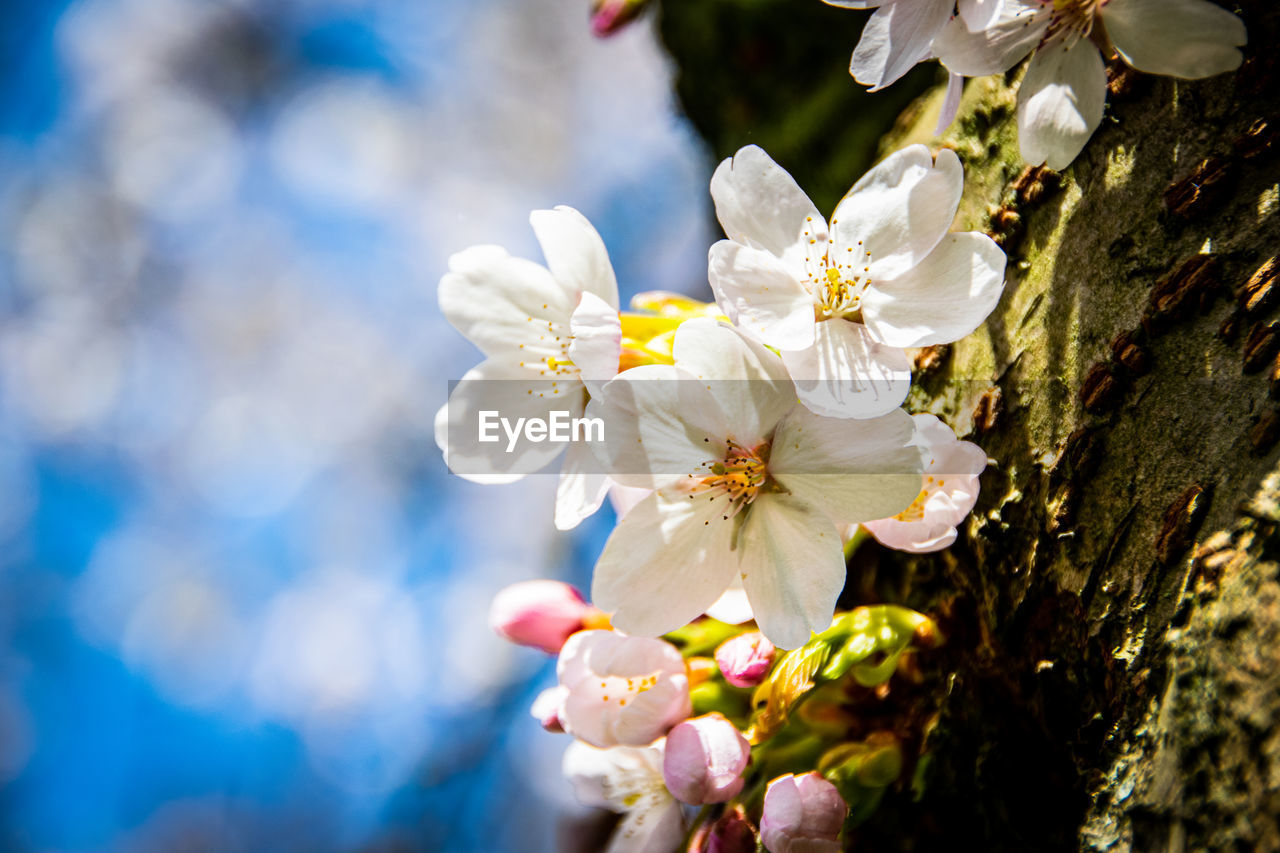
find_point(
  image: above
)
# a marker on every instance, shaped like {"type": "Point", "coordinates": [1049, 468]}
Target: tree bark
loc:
{"type": "Point", "coordinates": [1112, 606]}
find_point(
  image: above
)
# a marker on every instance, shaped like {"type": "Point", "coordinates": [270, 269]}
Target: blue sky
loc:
{"type": "Point", "coordinates": [245, 603]}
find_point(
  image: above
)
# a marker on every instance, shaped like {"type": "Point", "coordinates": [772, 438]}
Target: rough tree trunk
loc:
{"type": "Point", "coordinates": [1111, 679]}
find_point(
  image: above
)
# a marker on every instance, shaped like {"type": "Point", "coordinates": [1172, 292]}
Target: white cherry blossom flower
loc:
{"type": "Point", "coordinates": [1061, 98]}
{"type": "Point", "coordinates": [841, 302]}
{"type": "Point", "coordinates": [620, 690]}
{"type": "Point", "coordinates": [547, 334]}
{"type": "Point", "coordinates": [628, 779]}
{"type": "Point", "coordinates": [951, 469]}
{"type": "Point", "coordinates": [901, 33]}
{"type": "Point", "coordinates": [748, 485]}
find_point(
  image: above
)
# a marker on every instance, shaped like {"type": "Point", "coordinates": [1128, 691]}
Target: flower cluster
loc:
{"type": "Point", "coordinates": [659, 726]}
{"type": "Point", "coordinates": [1061, 98]}
{"type": "Point", "coordinates": [744, 444]}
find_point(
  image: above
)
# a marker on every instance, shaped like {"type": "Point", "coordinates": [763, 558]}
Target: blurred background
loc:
{"type": "Point", "coordinates": [244, 603]}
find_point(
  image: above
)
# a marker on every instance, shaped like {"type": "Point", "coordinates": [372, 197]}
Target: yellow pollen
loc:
{"type": "Point", "coordinates": [740, 476]}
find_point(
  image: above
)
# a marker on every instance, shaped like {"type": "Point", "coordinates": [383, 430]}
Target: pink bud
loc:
{"type": "Point", "coordinates": [609, 16]}
{"type": "Point", "coordinates": [745, 659]}
{"type": "Point", "coordinates": [704, 760]}
{"type": "Point", "coordinates": [730, 834]}
{"type": "Point", "coordinates": [802, 813]}
{"type": "Point", "coordinates": [541, 614]}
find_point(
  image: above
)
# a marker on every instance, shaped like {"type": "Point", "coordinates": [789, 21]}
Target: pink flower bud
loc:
{"type": "Point", "coordinates": [745, 659]}
{"type": "Point", "coordinates": [704, 760]}
{"type": "Point", "coordinates": [802, 813]}
{"type": "Point", "coordinates": [730, 834]}
{"type": "Point", "coordinates": [541, 614]}
{"type": "Point", "coordinates": [609, 16]}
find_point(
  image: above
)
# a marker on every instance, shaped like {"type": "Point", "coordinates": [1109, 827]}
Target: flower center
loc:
{"type": "Point", "coordinates": [915, 512]}
{"type": "Point", "coordinates": [741, 476]}
{"type": "Point", "coordinates": [619, 690]}
{"type": "Point", "coordinates": [837, 296]}
{"type": "Point", "coordinates": [1072, 20]}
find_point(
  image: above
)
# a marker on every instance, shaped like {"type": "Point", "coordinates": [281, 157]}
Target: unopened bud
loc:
{"type": "Point", "coordinates": [542, 614]}
{"type": "Point", "coordinates": [704, 760]}
{"type": "Point", "coordinates": [609, 16]}
{"type": "Point", "coordinates": [732, 833]}
{"type": "Point", "coordinates": [745, 659]}
{"type": "Point", "coordinates": [802, 813]}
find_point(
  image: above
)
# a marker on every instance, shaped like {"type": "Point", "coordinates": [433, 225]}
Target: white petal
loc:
{"type": "Point", "coordinates": [596, 330]}
{"type": "Point", "coordinates": [654, 825]}
{"type": "Point", "coordinates": [913, 537]}
{"type": "Point", "coordinates": [732, 606]}
{"type": "Point", "coordinates": [897, 212]}
{"type": "Point", "coordinates": [624, 498]}
{"type": "Point", "coordinates": [664, 564]}
{"type": "Point", "coordinates": [856, 4]}
{"type": "Point", "coordinates": [500, 389]}
{"type": "Point", "coordinates": [950, 103]}
{"type": "Point", "coordinates": [748, 382]}
{"type": "Point", "coordinates": [660, 424]}
{"type": "Point", "coordinates": [759, 204]}
{"type": "Point", "coordinates": [895, 38]}
{"type": "Point", "coordinates": [943, 298]}
{"type": "Point", "coordinates": [853, 470]}
{"type": "Point", "coordinates": [978, 15]}
{"type": "Point", "coordinates": [500, 302]}
{"type": "Point", "coordinates": [847, 374]}
{"type": "Point", "coordinates": [575, 253]}
{"type": "Point", "coordinates": [1060, 103]}
{"type": "Point", "coordinates": [761, 294]}
{"type": "Point", "coordinates": [1017, 30]}
{"type": "Point", "coordinates": [1181, 38]}
{"type": "Point", "coordinates": [582, 487]}
{"type": "Point", "coordinates": [792, 567]}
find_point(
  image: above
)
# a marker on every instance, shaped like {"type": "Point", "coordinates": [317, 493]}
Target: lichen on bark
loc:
{"type": "Point", "coordinates": [1097, 691]}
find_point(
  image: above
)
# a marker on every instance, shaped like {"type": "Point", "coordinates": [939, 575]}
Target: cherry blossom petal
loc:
{"type": "Point", "coordinates": [748, 382]}
{"type": "Point", "coordinates": [913, 537]}
{"type": "Point", "coordinates": [760, 205]}
{"type": "Point", "coordinates": [732, 606]}
{"type": "Point", "coordinates": [792, 566]}
{"type": "Point", "coordinates": [762, 295]}
{"type": "Point", "coordinates": [660, 424]}
{"type": "Point", "coordinates": [1181, 38]}
{"type": "Point", "coordinates": [624, 498]}
{"type": "Point", "coordinates": [500, 386]}
{"type": "Point", "coordinates": [856, 4]}
{"type": "Point", "coordinates": [655, 823]}
{"type": "Point", "coordinates": [847, 374]}
{"type": "Point", "coordinates": [582, 487]}
{"type": "Point", "coordinates": [1017, 29]}
{"type": "Point", "coordinates": [851, 470]}
{"type": "Point", "coordinates": [898, 211]}
{"type": "Point", "coordinates": [620, 689]}
{"type": "Point", "coordinates": [943, 298]}
{"type": "Point", "coordinates": [499, 302]}
{"type": "Point", "coordinates": [596, 347]}
{"type": "Point", "coordinates": [1060, 103]}
{"type": "Point", "coordinates": [665, 563]}
{"type": "Point", "coordinates": [978, 15]}
{"type": "Point", "coordinates": [628, 779]}
{"type": "Point", "coordinates": [895, 38]}
{"type": "Point", "coordinates": [575, 253]}
{"type": "Point", "coordinates": [950, 103]}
